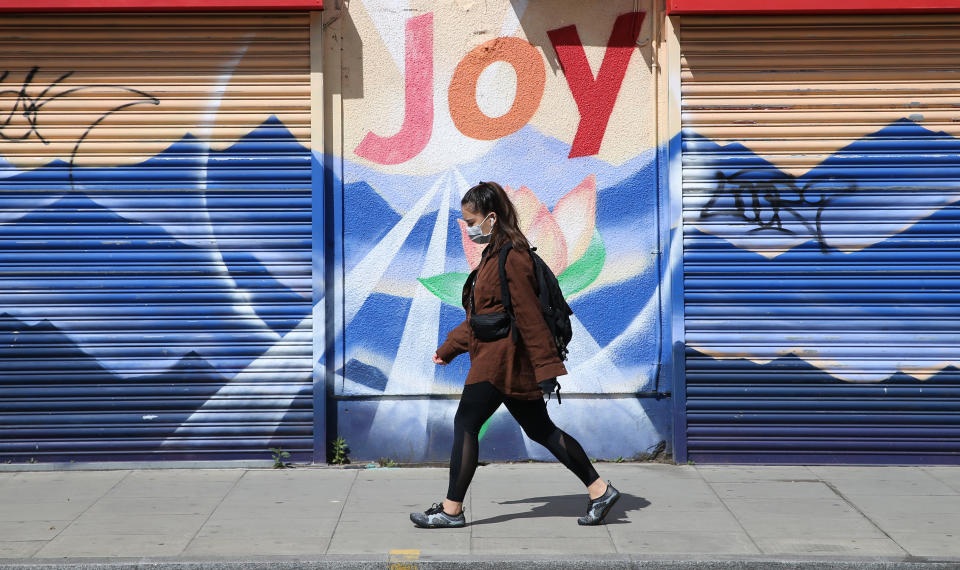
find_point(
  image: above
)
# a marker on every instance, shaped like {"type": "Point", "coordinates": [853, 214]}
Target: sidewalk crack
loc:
{"type": "Point", "coordinates": [938, 479]}
{"type": "Point", "coordinates": [613, 542]}
{"type": "Point", "coordinates": [90, 506]}
{"type": "Point", "coordinates": [864, 515]}
{"type": "Point", "coordinates": [343, 506]}
{"type": "Point", "coordinates": [732, 514]}
{"type": "Point", "coordinates": [213, 510]}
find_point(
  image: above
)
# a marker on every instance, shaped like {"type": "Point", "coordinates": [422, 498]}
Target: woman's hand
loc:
{"type": "Point", "coordinates": [437, 360]}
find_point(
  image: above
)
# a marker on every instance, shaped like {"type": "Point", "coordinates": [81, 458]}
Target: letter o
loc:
{"type": "Point", "coordinates": [462, 95]}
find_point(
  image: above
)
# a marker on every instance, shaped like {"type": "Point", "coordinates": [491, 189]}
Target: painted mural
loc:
{"type": "Point", "coordinates": [821, 234]}
{"type": "Point", "coordinates": [554, 100]}
{"type": "Point", "coordinates": [160, 260]}
{"type": "Point", "coordinates": [837, 338]}
{"type": "Point", "coordinates": [155, 239]}
{"type": "Point", "coordinates": [837, 211]}
{"type": "Point", "coordinates": [779, 223]}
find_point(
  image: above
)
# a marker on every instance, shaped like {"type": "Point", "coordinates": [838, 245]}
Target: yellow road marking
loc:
{"type": "Point", "coordinates": [399, 559]}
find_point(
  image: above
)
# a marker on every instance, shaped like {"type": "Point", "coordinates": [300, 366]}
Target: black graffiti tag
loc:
{"type": "Point", "coordinates": [762, 202]}
{"type": "Point", "coordinates": [30, 107]}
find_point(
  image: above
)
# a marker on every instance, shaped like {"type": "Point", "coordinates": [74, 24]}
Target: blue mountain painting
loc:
{"type": "Point", "coordinates": [212, 268]}
{"type": "Point", "coordinates": [133, 294]}
{"type": "Point", "coordinates": [870, 286]}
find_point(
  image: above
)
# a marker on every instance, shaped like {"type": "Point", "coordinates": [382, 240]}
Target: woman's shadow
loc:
{"type": "Point", "coordinates": [568, 506]}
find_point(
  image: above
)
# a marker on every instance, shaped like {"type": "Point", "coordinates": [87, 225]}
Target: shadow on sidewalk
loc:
{"type": "Point", "coordinates": [568, 506]}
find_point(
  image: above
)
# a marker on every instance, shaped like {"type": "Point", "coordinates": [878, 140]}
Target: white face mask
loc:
{"type": "Point", "coordinates": [476, 234]}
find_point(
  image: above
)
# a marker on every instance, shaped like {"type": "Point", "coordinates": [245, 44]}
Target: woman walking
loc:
{"type": "Point", "coordinates": [503, 371]}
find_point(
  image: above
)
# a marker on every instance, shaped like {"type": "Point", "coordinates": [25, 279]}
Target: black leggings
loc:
{"type": "Point", "coordinates": [477, 404]}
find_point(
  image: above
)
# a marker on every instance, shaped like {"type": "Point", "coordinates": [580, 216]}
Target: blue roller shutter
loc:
{"type": "Point", "coordinates": [155, 239]}
{"type": "Point", "coordinates": [821, 183]}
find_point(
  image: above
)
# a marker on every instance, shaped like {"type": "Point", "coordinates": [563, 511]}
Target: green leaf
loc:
{"type": "Point", "coordinates": [447, 286]}
{"type": "Point", "coordinates": [484, 427]}
{"type": "Point", "coordinates": [584, 271]}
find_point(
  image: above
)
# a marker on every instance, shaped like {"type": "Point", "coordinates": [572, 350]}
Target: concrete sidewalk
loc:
{"type": "Point", "coordinates": [526, 513]}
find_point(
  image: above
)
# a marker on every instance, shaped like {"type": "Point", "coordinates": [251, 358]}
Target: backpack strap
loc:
{"type": "Point", "coordinates": [505, 289]}
{"type": "Point", "coordinates": [543, 291]}
{"type": "Point", "coordinates": [472, 282]}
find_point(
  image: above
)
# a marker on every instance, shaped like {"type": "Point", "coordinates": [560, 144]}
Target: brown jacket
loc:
{"type": "Point", "coordinates": [514, 369]}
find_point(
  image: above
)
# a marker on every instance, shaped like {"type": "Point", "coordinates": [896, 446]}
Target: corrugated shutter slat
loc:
{"type": "Point", "coordinates": [821, 173]}
{"type": "Point", "coordinates": [155, 237]}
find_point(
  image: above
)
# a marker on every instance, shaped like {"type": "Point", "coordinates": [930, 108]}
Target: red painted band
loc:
{"type": "Point", "coordinates": [156, 5]}
{"type": "Point", "coordinates": [679, 7]}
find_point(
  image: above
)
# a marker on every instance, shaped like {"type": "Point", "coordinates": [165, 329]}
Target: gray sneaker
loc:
{"type": "Point", "coordinates": [598, 508]}
{"type": "Point", "coordinates": [434, 517]}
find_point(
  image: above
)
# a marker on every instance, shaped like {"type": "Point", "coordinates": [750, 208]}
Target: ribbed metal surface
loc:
{"type": "Point", "coordinates": [155, 237]}
{"type": "Point", "coordinates": [821, 175]}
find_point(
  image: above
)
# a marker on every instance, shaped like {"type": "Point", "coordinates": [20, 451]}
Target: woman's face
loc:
{"type": "Point", "coordinates": [473, 217]}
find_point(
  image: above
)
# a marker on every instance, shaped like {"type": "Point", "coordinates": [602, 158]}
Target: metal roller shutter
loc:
{"type": "Point", "coordinates": [821, 177]}
{"type": "Point", "coordinates": [155, 237]}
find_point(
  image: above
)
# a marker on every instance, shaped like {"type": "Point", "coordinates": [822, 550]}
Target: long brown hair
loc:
{"type": "Point", "coordinates": [489, 197]}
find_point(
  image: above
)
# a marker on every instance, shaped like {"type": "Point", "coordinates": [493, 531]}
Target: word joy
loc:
{"type": "Point", "coordinates": [594, 96]}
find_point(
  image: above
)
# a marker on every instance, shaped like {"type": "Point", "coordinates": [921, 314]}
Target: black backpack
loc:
{"type": "Point", "coordinates": [556, 311]}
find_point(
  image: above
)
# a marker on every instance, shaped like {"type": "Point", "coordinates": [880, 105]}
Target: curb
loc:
{"type": "Point", "coordinates": [487, 562]}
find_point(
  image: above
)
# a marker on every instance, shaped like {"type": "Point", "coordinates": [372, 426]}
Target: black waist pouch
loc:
{"type": "Point", "coordinates": [490, 326]}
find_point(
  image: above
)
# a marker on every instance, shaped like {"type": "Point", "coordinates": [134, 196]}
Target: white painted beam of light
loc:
{"type": "Point", "coordinates": [268, 365]}
{"type": "Point", "coordinates": [404, 422]}
{"type": "Point", "coordinates": [363, 278]}
{"type": "Point", "coordinates": [390, 19]}
{"type": "Point", "coordinates": [596, 362]}
{"type": "Point", "coordinates": [511, 20]}
{"type": "Point", "coordinates": [413, 369]}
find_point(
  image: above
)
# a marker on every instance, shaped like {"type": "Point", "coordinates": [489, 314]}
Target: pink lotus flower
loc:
{"type": "Point", "coordinates": [566, 239]}
{"type": "Point", "coordinates": [561, 236]}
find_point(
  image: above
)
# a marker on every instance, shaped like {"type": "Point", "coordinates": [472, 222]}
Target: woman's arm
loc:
{"type": "Point", "coordinates": [457, 342]}
{"type": "Point", "coordinates": [528, 314]}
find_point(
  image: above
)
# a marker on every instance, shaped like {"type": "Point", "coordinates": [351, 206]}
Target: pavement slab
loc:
{"type": "Point", "coordinates": [669, 520]}
{"type": "Point", "coordinates": [128, 522]}
{"type": "Point", "coordinates": [31, 530]}
{"type": "Point", "coordinates": [541, 545]}
{"type": "Point", "coordinates": [522, 514]}
{"type": "Point", "coordinates": [911, 514]}
{"type": "Point", "coordinates": [741, 474]}
{"type": "Point", "coordinates": [257, 546]}
{"type": "Point", "coordinates": [949, 476]}
{"type": "Point", "coordinates": [386, 534]}
{"type": "Point", "coordinates": [772, 490]}
{"type": "Point", "coordinates": [157, 483]}
{"type": "Point", "coordinates": [906, 481]}
{"type": "Point", "coordinates": [929, 544]}
{"type": "Point", "coordinates": [830, 546]}
{"type": "Point", "coordinates": [684, 542]}
{"type": "Point", "coordinates": [769, 518]}
{"type": "Point", "coordinates": [45, 495]}
{"type": "Point", "coordinates": [20, 549]}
